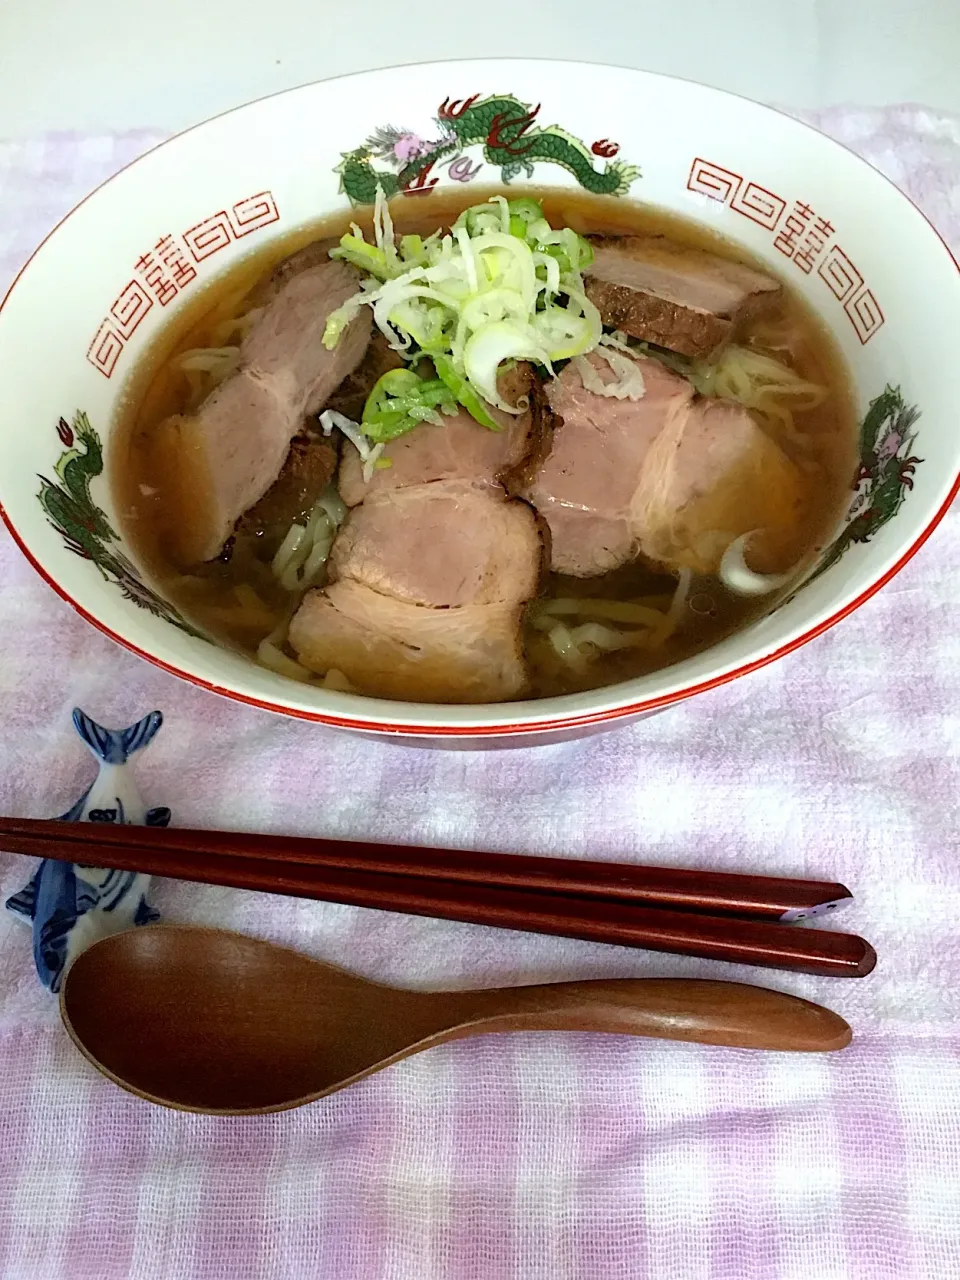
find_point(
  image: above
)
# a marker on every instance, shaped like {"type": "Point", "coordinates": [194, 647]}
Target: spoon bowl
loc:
{"type": "Point", "coordinates": [207, 1020]}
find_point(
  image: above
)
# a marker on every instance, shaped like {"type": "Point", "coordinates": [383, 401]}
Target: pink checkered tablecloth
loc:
{"type": "Point", "coordinates": [539, 1157]}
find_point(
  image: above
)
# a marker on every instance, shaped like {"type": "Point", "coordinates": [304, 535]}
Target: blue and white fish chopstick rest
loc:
{"type": "Point", "coordinates": [72, 906]}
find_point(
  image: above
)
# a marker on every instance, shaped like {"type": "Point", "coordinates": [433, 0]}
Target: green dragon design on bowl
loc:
{"type": "Point", "coordinates": [887, 466]}
{"type": "Point", "coordinates": [503, 126]}
{"type": "Point", "coordinates": [85, 529]}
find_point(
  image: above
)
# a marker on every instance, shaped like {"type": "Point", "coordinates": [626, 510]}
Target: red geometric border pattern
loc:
{"type": "Point", "coordinates": [865, 314]}
{"type": "Point", "coordinates": [759, 205]}
{"type": "Point", "coordinates": [254, 212]}
{"type": "Point", "coordinates": [709, 179]}
{"type": "Point", "coordinates": [210, 236]}
{"type": "Point", "coordinates": [130, 307]}
{"type": "Point", "coordinates": [842, 277]}
{"type": "Point", "coordinates": [766, 209]}
{"type": "Point", "coordinates": [723, 185]}
{"type": "Point", "coordinates": [203, 240]}
{"type": "Point", "coordinates": [104, 351]}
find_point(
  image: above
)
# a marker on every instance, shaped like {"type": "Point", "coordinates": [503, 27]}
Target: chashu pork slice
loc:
{"type": "Point", "coordinates": [441, 545]}
{"type": "Point", "coordinates": [672, 477]}
{"type": "Point", "coordinates": [686, 300]}
{"type": "Point", "coordinates": [429, 585]}
{"type": "Point", "coordinates": [389, 649]}
{"type": "Point", "coordinates": [710, 478]}
{"type": "Point", "coordinates": [235, 445]}
{"type": "Point", "coordinates": [585, 487]}
{"type": "Point", "coordinates": [460, 448]}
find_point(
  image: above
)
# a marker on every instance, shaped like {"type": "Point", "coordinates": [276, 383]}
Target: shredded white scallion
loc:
{"type": "Point", "coordinates": [738, 577]}
{"type": "Point", "coordinates": [369, 453]}
{"type": "Point", "coordinates": [627, 384]}
{"type": "Point", "coordinates": [504, 206]}
{"type": "Point", "coordinates": [619, 340]}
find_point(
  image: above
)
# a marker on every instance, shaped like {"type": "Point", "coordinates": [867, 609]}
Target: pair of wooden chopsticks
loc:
{"type": "Point", "coordinates": [715, 915]}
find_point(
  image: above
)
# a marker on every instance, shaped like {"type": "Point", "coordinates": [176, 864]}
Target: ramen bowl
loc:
{"type": "Point", "coordinates": [94, 296]}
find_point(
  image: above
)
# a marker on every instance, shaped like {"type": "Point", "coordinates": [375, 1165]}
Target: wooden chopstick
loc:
{"type": "Point", "coordinates": [593, 919]}
{"type": "Point", "coordinates": [710, 892]}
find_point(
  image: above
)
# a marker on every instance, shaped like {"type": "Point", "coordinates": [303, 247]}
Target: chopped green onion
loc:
{"type": "Point", "coordinates": [400, 401]}
{"type": "Point", "coordinates": [338, 320]}
{"type": "Point", "coordinates": [427, 323]}
{"type": "Point", "coordinates": [477, 220]}
{"type": "Point", "coordinates": [355, 250]}
{"type": "Point", "coordinates": [539, 230]}
{"type": "Point", "coordinates": [526, 210]}
{"type": "Point", "coordinates": [502, 285]}
{"type": "Point", "coordinates": [464, 393]}
{"type": "Point", "coordinates": [411, 249]}
{"type": "Point", "coordinates": [489, 346]}
{"type": "Point", "coordinates": [395, 382]}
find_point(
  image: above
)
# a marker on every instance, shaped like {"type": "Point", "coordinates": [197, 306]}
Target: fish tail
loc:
{"type": "Point", "coordinates": [24, 903]}
{"type": "Point", "coordinates": [114, 746]}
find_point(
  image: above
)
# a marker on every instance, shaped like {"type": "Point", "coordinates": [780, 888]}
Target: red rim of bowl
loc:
{"type": "Point", "coordinates": [503, 730]}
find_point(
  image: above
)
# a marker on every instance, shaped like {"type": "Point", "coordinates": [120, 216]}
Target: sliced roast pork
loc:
{"type": "Point", "coordinates": [427, 598]}
{"type": "Point", "coordinates": [314, 254]}
{"type": "Point", "coordinates": [390, 649]}
{"type": "Point", "coordinates": [586, 485]}
{"type": "Point", "coordinates": [710, 477]}
{"type": "Point", "coordinates": [683, 299]}
{"type": "Point", "coordinates": [235, 445]}
{"type": "Point", "coordinates": [441, 545]}
{"type": "Point", "coordinates": [670, 476]}
{"type": "Point", "coordinates": [460, 449]}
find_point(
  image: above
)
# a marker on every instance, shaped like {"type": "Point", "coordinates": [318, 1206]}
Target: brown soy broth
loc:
{"type": "Point", "coordinates": [218, 596]}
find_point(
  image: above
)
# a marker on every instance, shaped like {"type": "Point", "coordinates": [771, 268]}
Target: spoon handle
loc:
{"type": "Point", "coordinates": [708, 1012]}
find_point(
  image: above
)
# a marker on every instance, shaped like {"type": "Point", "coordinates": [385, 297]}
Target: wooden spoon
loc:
{"type": "Point", "coordinates": [206, 1020]}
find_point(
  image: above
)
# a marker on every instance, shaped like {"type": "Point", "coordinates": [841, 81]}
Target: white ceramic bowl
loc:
{"type": "Point", "coordinates": [95, 293]}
